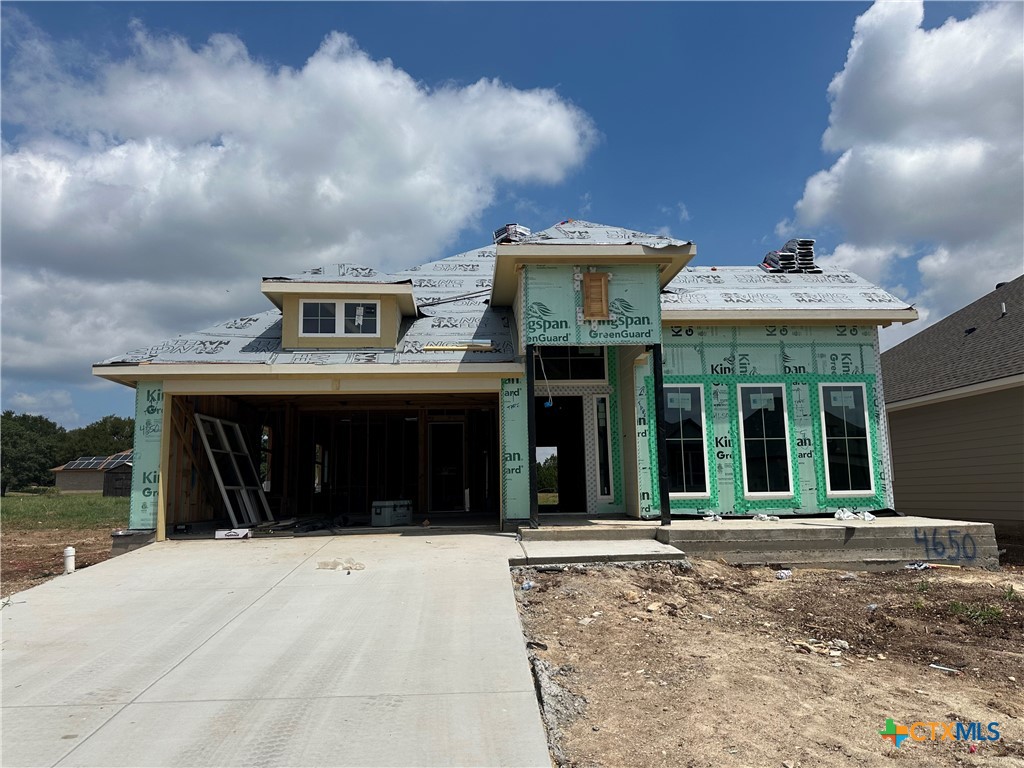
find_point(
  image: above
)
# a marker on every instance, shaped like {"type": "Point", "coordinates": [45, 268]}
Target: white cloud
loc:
{"type": "Point", "coordinates": [929, 125]}
{"type": "Point", "coordinates": [137, 191]}
{"type": "Point", "coordinates": [586, 203]}
{"type": "Point", "coordinates": [55, 404]}
{"type": "Point", "coordinates": [679, 209]}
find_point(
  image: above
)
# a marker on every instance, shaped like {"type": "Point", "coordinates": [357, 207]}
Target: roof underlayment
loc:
{"type": "Point", "coordinates": [452, 296]}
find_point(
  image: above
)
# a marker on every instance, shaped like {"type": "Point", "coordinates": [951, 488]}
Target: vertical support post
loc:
{"type": "Point", "coordinates": [165, 468]}
{"type": "Point", "coordinates": [659, 418]}
{"type": "Point", "coordinates": [531, 433]}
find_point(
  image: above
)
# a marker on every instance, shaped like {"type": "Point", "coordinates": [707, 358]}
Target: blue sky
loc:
{"type": "Point", "coordinates": [703, 120]}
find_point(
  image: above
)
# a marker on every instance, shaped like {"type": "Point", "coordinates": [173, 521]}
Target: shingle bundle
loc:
{"type": "Point", "coordinates": [797, 255]}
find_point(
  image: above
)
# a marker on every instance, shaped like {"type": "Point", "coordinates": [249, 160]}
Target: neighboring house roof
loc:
{"type": "Point", "coordinates": [972, 346]}
{"type": "Point", "coordinates": [96, 463]}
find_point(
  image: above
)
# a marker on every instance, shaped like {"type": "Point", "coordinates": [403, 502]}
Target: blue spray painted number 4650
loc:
{"type": "Point", "coordinates": [957, 547]}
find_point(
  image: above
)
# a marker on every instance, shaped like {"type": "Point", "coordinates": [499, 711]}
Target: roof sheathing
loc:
{"type": "Point", "coordinates": [946, 356]}
{"type": "Point", "coordinates": [576, 232]}
{"type": "Point", "coordinates": [451, 295]}
{"type": "Point", "coordinates": [751, 292]}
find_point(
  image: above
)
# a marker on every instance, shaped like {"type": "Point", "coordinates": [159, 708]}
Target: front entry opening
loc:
{"type": "Point", "coordinates": [560, 429]}
{"type": "Point", "coordinates": [547, 478]}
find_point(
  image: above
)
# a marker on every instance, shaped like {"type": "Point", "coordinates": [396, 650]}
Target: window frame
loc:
{"type": "Point", "coordinates": [339, 319]}
{"type": "Point", "coordinates": [855, 494]}
{"type": "Point", "coordinates": [542, 375]}
{"type": "Point", "coordinates": [704, 441]}
{"type": "Point", "coordinates": [759, 495]}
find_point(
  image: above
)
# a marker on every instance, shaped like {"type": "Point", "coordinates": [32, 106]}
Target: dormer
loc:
{"type": "Point", "coordinates": [328, 309]}
{"type": "Point", "coordinates": [579, 283]}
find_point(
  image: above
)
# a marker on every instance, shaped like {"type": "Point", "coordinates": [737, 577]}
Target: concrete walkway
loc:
{"type": "Point", "coordinates": [210, 653]}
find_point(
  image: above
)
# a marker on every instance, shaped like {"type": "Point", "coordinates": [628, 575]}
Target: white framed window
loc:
{"type": "Point", "coordinates": [339, 318]}
{"type": "Point", "coordinates": [764, 441]}
{"type": "Point", "coordinates": [844, 429]}
{"type": "Point", "coordinates": [685, 441]}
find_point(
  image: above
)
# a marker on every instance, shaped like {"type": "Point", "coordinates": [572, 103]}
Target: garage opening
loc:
{"type": "Point", "coordinates": [327, 463]}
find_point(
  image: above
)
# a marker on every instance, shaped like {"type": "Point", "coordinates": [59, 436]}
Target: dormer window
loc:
{"type": "Point", "coordinates": [340, 318]}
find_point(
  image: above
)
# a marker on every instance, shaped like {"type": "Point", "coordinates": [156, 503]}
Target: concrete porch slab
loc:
{"type": "Point", "coordinates": [884, 543]}
{"type": "Point", "coordinates": [563, 552]}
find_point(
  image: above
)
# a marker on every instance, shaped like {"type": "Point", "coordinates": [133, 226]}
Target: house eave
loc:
{"type": "Point", "coordinates": [881, 317]}
{"type": "Point", "coordinates": [981, 388]}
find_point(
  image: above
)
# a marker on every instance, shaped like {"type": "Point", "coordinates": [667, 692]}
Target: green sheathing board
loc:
{"type": "Point", "coordinates": [515, 454]}
{"type": "Point", "coordinates": [798, 357]}
{"type": "Point", "coordinates": [149, 422]}
{"type": "Point", "coordinates": [646, 446]}
{"type": "Point", "coordinates": [552, 299]}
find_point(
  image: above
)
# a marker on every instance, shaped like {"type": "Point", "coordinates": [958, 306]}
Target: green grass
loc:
{"type": "Point", "coordinates": [1011, 595]}
{"type": "Point", "coordinates": [975, 612]}
{"type": "Point", "coordinates": [64, 511]}
{"type": "Point", "coordinates": [924, 585]}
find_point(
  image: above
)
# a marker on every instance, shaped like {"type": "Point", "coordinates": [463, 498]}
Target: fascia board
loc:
{"type": "Point", "coordinates": [984, 387]}
{"type": "Point", "coordinates": [872, 316]}
{"type": "Point", "coordinates": [276, 291]}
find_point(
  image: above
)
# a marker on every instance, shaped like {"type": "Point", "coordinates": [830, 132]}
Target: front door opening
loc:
{"type": "Point", "coordinates": [559, 421]}
{"type": "Point", "coordinates": [447, 459]}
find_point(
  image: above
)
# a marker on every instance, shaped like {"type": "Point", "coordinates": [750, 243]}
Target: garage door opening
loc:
{"type": "Point", "coordinates": [327, 464]}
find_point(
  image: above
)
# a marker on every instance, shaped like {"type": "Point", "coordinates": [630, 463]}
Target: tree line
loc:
{"type": "Point", "coordinates": [30, 446]}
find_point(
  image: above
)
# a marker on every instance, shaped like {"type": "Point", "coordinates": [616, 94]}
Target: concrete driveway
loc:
{"type": "Point", "coordinates": [204, 653]}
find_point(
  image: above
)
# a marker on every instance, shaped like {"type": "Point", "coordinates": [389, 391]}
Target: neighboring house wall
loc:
{"type": "Point", "coordinates": [79, 481]}
{"type": "Point", "coordinates": [962, 459]}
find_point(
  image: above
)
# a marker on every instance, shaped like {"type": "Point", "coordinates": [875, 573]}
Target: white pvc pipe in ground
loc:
{"type": "Point", "coordinates": [69, 559]}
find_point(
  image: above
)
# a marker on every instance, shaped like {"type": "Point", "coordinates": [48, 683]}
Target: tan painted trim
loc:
{"type": "Point", "coordinates": [824, 316]}
{"type": "Point", "coordinates": [290, 372]}
{"type": "Point", "coordinates": [561, 252]}
{"type": "Point", "coordinates": [984, 387]}
{"type": "Point", "coordinates": [165, 462]}
{"type": "Point", "coordinates": [339, 387]}
{"type": "Point", "coordinates": [276, 291]}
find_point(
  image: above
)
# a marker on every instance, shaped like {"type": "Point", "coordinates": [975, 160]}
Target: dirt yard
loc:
{"type": "Point", "coordinates": [662, 665]}
{"type": "Point", "coordinates": [32, 557]}
{"type": "Point", "coordinates": [35, 530]}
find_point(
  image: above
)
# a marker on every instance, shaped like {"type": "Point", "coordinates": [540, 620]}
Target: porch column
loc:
{"type": "Point", "coordinates": [531, 435]}
{"type": "Point", "coordinates": [659, 420]}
